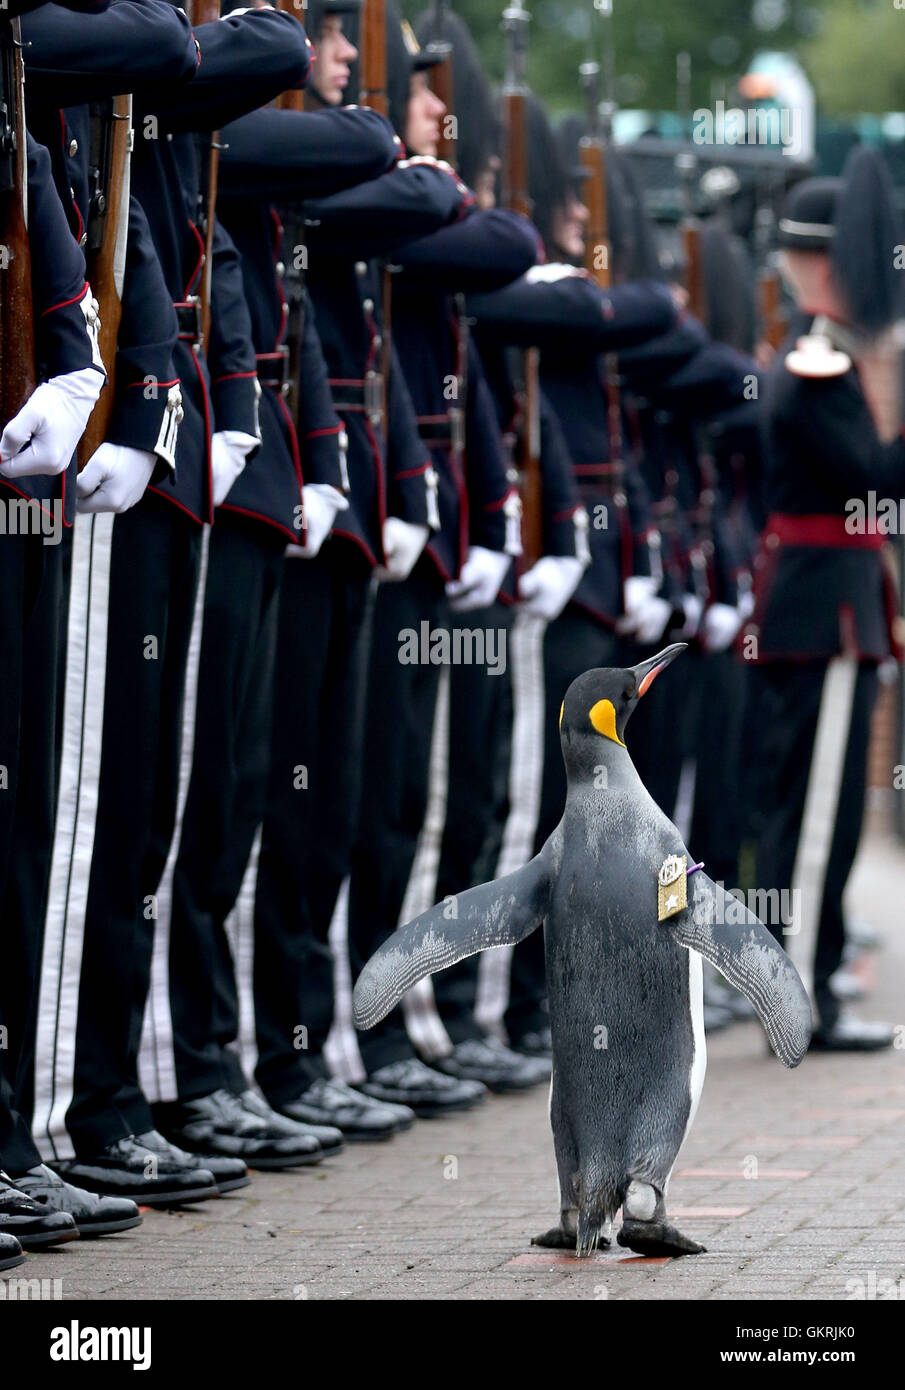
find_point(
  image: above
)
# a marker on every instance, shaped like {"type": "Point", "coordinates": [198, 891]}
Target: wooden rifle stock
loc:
{"type": "Point", "coordinates": [694, 270]}
{"type": "Point", "coordinates": [517, 197]}
{"type": "Point", "coordinates": [372, 64]}
{"type": "Point", "coordinates": [208, 12]}
{"type": "Point", "coordinates": [770, 299]}
{"type": "Point", "coordinates": [108, 230]}
{"type": "Point", "coordinates": [18, 375]}
{"type": "Point", "coordinates": [442, 84]}
{"type": "Point", "coordinates": [597, 242]}
{"type": "Point", "coordinates": [294, 99]}
{"type": "Point", "coordinates": [373, 93]}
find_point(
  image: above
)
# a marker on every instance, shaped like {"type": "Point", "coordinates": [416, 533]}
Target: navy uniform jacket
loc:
{"type": "Point", "coordinates": [678, 383]}
{"type": "Point", "coordinates": [483, 251]}
{"type": "Point", "coordinates": [65, 340]}
{"type": "Point", "coordinates": [821, 586]}
{"type": "Point", "coordinates": [69, 63]}
{"type": "Point", "coordinates": [389, 467]}
{"type": "Point", "coordinates": [273, 157]}
{"type": "Point", "coordinates": [574, 323]}
{"type": "Point", "coordinates": [245, 60]}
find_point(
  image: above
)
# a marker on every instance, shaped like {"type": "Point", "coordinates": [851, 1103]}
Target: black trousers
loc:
{"type": "Point", "coordinates": [401, 703]}
{"type": "Point", "coordinates": [789, 695]}
{"type": "Point", "coordinates": [32, 619]}
{"type": "Point", "coordinates": [226, 791]}
{"type": "Point", "coordinates": [153, 578]}
{"type": "Point", "coordinates": [311, 810]}
{"type": "Point", "coordinates": [573, 643]}
{"type": "Point", "coordinates": [719, 696]}
{"type": "Point", "coordinates": [477, 804]}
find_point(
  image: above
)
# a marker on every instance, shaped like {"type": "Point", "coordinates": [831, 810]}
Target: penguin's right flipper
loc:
{"type": "Point", "coordinates": [500, 913]}
{"type": "Point", "coordinates": [737, 943]}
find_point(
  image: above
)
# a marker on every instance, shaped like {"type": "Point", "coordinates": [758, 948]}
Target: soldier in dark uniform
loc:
{"type": "Point", "coordinates": [824, 605]}
{"type": "Point", "coordinates": [273, 157]}
{"type": "Point", "coordinates": [473, 781]}
{"type": "Point", "coordinates": [36, 449]}
{"type": "Point", "coordinates": [138, 671]}
{"type": "Point", "coordinates": [324, 605]}
{"type": "Point", "coordinates": [574, 323]}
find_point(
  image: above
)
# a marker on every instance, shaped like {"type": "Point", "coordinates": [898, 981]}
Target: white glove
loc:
{"type": "Point", "coordinates": [229, 454]}
{"type": "Point", "coordinates": [42, 438]}
{"type": "Point", "coordinates": [720, 625]}
{"type": "Point", "coordinates": [114, 478]}
{"type": "Point", "coordinates": [546, 588]}
{"type": "Point", "coordinates": [321, 505]}
{"type": "Point", "coordinates": [693, 609]}
{"type": "Point", "coordinates": [550, 271]}
{"type": "Point", "coordinates": [403, 542]}
{"type": "Point", "coordinates": [480, 579]}
{"type": "Point", "coordinates": [645, 616]}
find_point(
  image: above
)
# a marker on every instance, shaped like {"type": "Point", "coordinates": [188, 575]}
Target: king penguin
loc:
{"type": "Point", "coordinates": [623, 973]}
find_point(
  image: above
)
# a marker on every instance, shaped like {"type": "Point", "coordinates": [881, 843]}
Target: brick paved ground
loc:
{"type": "Point", "coordinates": [794, 1181]}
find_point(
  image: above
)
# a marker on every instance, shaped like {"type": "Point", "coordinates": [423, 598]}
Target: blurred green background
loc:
{"type": "Point", "coordinates": [852, 50]}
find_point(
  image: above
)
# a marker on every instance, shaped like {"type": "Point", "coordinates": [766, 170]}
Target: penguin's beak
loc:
{"type": "Point", "coordinates": [647, 671]}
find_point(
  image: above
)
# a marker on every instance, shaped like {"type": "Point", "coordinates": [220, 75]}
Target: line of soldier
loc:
{"type": "Point", "coordinates": [206, 724]}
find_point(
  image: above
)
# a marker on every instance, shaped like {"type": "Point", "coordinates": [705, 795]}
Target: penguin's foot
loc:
{"type": "Point", "coordinates": [555, 1239]}
{"type": "Point", "coordinates": [656, 1238]}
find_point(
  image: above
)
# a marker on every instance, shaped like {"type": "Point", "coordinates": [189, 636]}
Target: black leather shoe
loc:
{"type": "Point", "coordinates": [328, 1136]}
{"type": "Point", "coordinates": [852, 1035]}
{"type": "Point", "coordinates": [501, 1070]}
{"type": "Point", "coordinates": [536, 1044]}
{"type": "Point", "coordinates": [32, 1224]}
{"type": "Point", "coordinates": [359, 1117]}
{"type": "Point", "coordinates": [422, 1089]}
{"type": "Point", "coordinates": [129, 1169]}
{"type": "Point", "coordinates": [10, 1253]}
{"type": "Point", "coordinates": [220, 1124]}
{"type": "Point", "coordinates": [229, 1173]}
{"type": "Point", "coordinates": [93, 1215]}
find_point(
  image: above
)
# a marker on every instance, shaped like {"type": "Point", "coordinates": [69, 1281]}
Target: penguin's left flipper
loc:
{"type": "Point", "coordinates": [737, 943]}
{"type": "Point", "coordinates": [500, 913]}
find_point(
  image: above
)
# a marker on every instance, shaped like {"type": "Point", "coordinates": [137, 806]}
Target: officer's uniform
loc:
{"type": "Point", "coordinates": [315, 758]}
{"type": "Point", "coordinates": [135, 660]}
{"type": "Point", "coordinates": [475, 505]}
{"type": "Point", "coordinates": [822, 591]}
{"type": "Point", "coordinates": [271, 155]}
{"type": "Point", "coordinates": [32, 582]}
{"type": "Point", "coordinates": [573, 322]}
{"type": "Point", "coordinates": [60, 68]}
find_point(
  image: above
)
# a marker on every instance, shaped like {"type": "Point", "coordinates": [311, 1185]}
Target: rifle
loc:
{"type": "Point", "coordinates": [690, 227]}
{"type": "Point", "coordinates": [105, 251]}
{"type": "Point", "coordinates": [373, 93]}
{"type": "Point", "coordinates": [18, 375]}
{"type": "Point", "coordinates": [372, 63]}
{"type": "Point", "coordinates": [769, 285]}
{"type": "Point", "coordinates": [208, 12]}
{"type": "Point", "coordinates": [294, 99]}
{"type": "Point", "coordinates": [592, 155]}
{"type": "Point", "coordinates": [516, 196]}
{"type": "Point", "coordinates": [443, 86]}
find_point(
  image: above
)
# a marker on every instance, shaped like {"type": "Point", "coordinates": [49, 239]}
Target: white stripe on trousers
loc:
{"type": "Point", "coordinates": [156, 1060]}
{"type": "Point", "coordinates": [525, 780]}
{"type": "Point", "coordinates": [526, 772]}
{"type": "Point", "coordinates": [73, 846]}
{"type": "Point", "coordinates": [818, 823]}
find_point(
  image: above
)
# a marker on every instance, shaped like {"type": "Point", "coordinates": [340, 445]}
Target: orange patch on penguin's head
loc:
{"type": "Point", "coordinates": [599, 703]}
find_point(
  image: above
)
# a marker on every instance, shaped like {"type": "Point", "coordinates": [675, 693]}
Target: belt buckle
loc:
{"type": "Point", "coordinates": [372, 396]}
{"type": "Point", "coordinates": [193, 302]}
{"type": "Point", "coordinates": [284, 370]}
{"type": "Point", "coordinates": [457, 429]}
